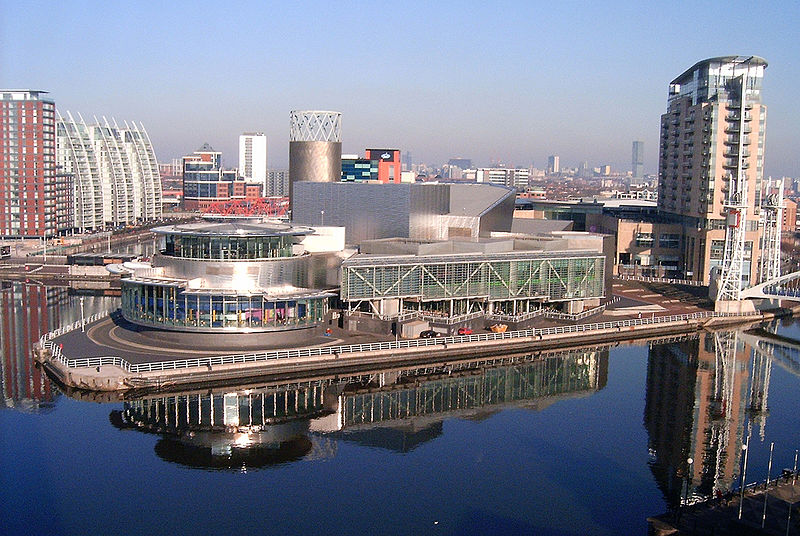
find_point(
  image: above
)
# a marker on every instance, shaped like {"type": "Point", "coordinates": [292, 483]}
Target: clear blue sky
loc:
{"type": "Point", "coordinates": [509, 81]}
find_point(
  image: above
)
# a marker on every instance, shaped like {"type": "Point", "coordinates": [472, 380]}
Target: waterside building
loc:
{"type": "Point", "coordinates": [508, 276]}
{"type": "Point", "coordinates": [35, 201]}
{"type": "Point", "coordinates": [235, 276]}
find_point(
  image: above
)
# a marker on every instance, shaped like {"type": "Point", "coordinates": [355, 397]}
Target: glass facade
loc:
{"type": "Point", "coordinates": [495, 279]}
{"type": "Point", "coordinates": [168, 306]}
{"type": "Point", "coordinates": [358, 169]}
{"type": "Point", "coordinates": [228, 247]}
{"type": "Point", "coordinates": [231, 275]}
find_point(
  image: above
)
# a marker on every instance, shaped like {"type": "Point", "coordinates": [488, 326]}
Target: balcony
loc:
{"type": "Point", "coordinates": [737, 117]}
{"type": "Point", "coordinates": [734, 129]}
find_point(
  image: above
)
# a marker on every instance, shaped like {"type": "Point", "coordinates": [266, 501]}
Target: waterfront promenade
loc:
{"type": "Point", "coordinates": [107, 355]}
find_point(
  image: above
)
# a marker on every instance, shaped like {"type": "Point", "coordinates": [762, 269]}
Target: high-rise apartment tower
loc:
{"type": "Point", "coordinates": [712, 144]}
{"type": "Point", "coordinates": [637, 159]}
{"type": "Point", "coordinates": [114, 170]}
{"type": "Point", "coordinates": [553, 165]}
{"type": "Point", "coordinates": [34, 199]}
{"type": "Point", "coordinates": [253, 157]}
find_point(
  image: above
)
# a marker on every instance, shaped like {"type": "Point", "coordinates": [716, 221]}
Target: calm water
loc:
{"type": "Point", "coordinates": [588, 442]}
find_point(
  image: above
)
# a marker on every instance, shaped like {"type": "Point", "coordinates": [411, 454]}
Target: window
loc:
{"type": "Point", "coordinates": [669, 240]}
{"type": "Point", "coordinates": [644, 240]}
{"type": "Point", "coordinates": [717, 249]}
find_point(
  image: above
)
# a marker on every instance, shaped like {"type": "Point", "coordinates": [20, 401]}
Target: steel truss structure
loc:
{"type": "Point", "coordinates": [729, 287]}
{"type": "Point", "coordinates": [315, 125]}
{"type": "Point", "coordinates": [772, 214]}
{"type": "Point", "coordinates": [275, 207]}
{"type": "Point", "coordinates": [548, 277]}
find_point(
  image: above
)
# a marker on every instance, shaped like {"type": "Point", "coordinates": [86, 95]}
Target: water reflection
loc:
{"type": "Point", "coordinates": [392, 409]}
{"type": "Point", "coordinates": [28, 311]}
{"type": "Point", "coordinates": [706, 398]}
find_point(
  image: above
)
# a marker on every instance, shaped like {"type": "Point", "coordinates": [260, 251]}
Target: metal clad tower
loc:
{"type": "Point", "coordinates": [315, 147]}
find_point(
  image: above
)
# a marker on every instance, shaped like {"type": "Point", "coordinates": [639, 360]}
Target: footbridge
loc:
{"type": "Point", "coordinates": [785, 287]}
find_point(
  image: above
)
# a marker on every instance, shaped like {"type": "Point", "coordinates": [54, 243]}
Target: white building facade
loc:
{"type": "Point", "coordinates": [513, 178]}
{"type": "Point", "coordinates": [253, 158]}
{"type": "Point", "coordinates": [115, 172]}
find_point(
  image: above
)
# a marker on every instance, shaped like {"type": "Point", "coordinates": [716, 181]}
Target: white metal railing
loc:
{"type": "Point", "coordinates": [368, 347]}
{"type": "Point", "coordinates": [75, 325]}
{"type": "Point", "coordinates": [647, 279]}
{"type": "Point", "coordinates": [516, 318]}
{"type": "Point", "coordinates": [45, 341]}
{"type": "Point", "coordinates": [422, 315]}
{"type": "Point", "coordinates": [450, 319]}
{"type": "Point", "coordinates": [576, 316]}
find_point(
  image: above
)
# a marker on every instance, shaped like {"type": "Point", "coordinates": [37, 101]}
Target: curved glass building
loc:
{"type": "Point", "coordinates": [234, 276]}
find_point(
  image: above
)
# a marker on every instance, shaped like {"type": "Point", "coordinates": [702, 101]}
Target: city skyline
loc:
{"type": "Point", "coordinates": [433, 80]}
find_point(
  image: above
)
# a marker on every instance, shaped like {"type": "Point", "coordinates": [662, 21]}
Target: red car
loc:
{"type": "Point", "coordinates": [465, 331]}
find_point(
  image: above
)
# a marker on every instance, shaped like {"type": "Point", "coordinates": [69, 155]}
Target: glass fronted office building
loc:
{"type": "Point", "coordinates": [508, 283]}
{"type": "Point", "coordinates": [231, 276]}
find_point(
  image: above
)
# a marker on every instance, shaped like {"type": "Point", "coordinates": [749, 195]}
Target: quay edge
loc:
{"type": "Point", "coordinates": [110, 378]}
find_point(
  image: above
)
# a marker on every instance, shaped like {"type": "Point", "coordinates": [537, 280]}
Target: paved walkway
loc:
{"type": "Point", "coordinates": [116, 337]}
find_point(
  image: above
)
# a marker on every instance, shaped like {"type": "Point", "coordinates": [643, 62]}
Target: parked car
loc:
{"type": "Point", "coordinates": [465, 331]}
{"type": "Point", "coordinates": [429, 334]}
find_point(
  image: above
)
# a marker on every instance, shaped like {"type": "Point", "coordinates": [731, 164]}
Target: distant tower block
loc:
{"type": "Point", "coordinates": [637, 159]}
{"type": "Point", "coordinates": [315, 147]}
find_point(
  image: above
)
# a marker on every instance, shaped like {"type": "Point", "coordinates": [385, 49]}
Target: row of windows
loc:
{"type": "Point", "coordinates": [665, 240]}
{"type": "Point", "coordinates": [228, 247]}
{"type": "Point", "coordinates": [554, 279]}
{"type": "Point", "coordinates": [169, 306]}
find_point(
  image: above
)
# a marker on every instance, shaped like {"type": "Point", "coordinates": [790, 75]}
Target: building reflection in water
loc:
{"type": "Point", "coordinates": [704, 396]}
{"type": "Point", "coordinates": [240, 428]}
{"type": "Point", "coordinates": [28, 311]}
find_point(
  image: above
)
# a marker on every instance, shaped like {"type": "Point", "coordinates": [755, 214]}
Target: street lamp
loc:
{"type": "Point", "coordinates": [322, 218]}
{"type": "Point", "coordinates": [82, 317]}
{"type": "Point", "coordinates": [743, 481]}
